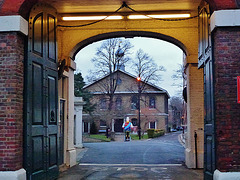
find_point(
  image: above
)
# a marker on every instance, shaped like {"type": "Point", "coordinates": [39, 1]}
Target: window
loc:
{"type": "Point", "coordinates": [152, 102]}
{"type": "Point", "coordinates": [103, 103]}
{"type": "Point", "coordinates": [118, 103]}
{"type": "Point", "coordinates": [152, 125]}
{"type": "Point", "coordinates": [134, 103]}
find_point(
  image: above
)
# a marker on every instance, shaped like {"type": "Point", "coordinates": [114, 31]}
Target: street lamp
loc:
{"type": "Point", "coordinates": [139, 108]}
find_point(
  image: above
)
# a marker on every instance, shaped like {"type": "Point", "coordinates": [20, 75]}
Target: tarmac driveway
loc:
{"type": "Point", "coordinates": [161, 158]}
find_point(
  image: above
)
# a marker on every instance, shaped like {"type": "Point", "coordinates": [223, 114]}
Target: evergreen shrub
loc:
{"type": "Point", "coordinates": [152, 133]}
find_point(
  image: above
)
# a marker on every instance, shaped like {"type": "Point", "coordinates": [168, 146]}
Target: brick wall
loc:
{"type": "Point", "coordinates": [227, 68]}
{"type": "Point", "coordinates": [11, 100]}
{"type": "Point", "coordinates": [222, 4]}
{"type": "Point", "coordinates": [225, 4]}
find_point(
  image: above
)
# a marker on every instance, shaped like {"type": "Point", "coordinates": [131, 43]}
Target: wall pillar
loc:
{"type": "Point", "coordinates": [225, 29]}
{"type": "Point", "coordinates": [13, 31]}
{"type": "Point", "coordinates": [225, 26]}
{"type": "Point", "coordinates": [71, 151]}
{"type": "Point", "coordinates": [78, 107]}
{"type": "Point", "coordinates": [195, 118]}
{"type": "Point", "coordinates": [89, 126]}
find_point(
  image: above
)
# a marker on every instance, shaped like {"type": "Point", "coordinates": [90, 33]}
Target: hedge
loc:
{"type": "Point", "coordinates": [152, 133]}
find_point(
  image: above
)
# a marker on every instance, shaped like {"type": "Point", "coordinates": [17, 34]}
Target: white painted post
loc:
{"type": "Point", "coordinates": [112, 125]}
{"type": "Point", "coordinates": [89, 125]}
{"type": "Point", "coordinates": [78, 107]}
{"type": "Point", "coordinates": [71, 151]}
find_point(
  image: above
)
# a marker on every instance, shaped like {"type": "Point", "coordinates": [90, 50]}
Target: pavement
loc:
{"type": "Point", "coordinates": [134, 171]}
{"type": "Point", "coordinates": [119, 169]}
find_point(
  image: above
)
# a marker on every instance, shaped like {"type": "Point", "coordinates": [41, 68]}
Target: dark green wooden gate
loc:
{"type": "Point", "coordinates": [206, 61]}
{"type": "Point", "coordinates": [41, 96]}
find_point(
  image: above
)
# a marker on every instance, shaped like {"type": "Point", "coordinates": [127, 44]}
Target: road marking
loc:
{"type": "Point", "coordinates": [147, 165]}
{"type": "Point", "coordinates": [119, 169]}
{"type": "Point", "coordinates": [139, 169]}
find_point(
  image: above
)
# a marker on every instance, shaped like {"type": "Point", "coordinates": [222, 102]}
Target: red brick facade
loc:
{"type": "Point", "coordinates": [22, 6]}
{"type": "Point", "coordinates": [11, 100]}
{"type": "Point", "coordinates": [16, 7]}
{"type": "Point", "coordinates": [225, 4]}
{"type": "Point", "coordinates": [222, 4]}
{"type": "Point", "coordinates": [227, 110]}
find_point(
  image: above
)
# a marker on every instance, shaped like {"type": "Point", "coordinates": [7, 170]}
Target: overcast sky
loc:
{"type": "Point", "coordinates": [162, 52]}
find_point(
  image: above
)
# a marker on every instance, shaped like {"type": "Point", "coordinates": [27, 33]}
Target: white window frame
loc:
{"type": "Point", "coordinates": [154, 125]}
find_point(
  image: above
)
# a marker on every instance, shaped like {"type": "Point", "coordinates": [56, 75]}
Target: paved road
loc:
{"type": "Point", "coordinates": [162, 150]}
{"type": "Point", "coordinates": [156, 159]}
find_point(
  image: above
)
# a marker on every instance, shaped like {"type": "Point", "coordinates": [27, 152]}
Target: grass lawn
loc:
{"type": "Point", "coordinates": [135, 136]}
{"type": "Point", "coordinates": [100, 136]}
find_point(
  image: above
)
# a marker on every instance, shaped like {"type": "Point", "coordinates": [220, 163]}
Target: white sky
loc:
{"type": "Point", "coordinates": [162, 52]}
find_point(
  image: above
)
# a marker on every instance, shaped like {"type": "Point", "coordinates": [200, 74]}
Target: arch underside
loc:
{"type": "Point", "coordinates": [126, 34]}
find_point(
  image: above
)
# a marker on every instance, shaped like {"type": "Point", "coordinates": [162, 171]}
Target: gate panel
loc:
{"type": "Point", "coordinates": [41, 106]}
{"type": "Point", "coordinates": [205, 61]}
{"type": "Point", "coordinates": [37, 94]}
{"type": "Point", "coordinates": [209, 136]}
{"type": "Point", "coordinates": [61, 131]}
{"type": "Point", "coordinates": [52, 110]}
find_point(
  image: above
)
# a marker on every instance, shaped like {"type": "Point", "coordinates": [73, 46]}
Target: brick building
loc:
{"type": "Point", "coordinates": [153, 103]}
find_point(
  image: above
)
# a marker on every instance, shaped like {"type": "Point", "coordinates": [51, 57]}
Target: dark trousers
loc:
{"type": "Point", "coordinates": [127, 135]}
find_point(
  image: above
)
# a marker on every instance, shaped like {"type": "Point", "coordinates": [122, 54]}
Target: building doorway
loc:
{"type": "Point", "coordinates": [86, 127]}
{"type": "Point", "coordinates": [118, 125]}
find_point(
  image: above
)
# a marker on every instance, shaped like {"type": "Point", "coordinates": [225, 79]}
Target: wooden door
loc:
{"type": "Point", "coordinates": [205, 61]}
{"type": "Point", "coordinates": [85, 127]}
{"type": "Point", "coordinates": [118, 125]}
{"type": "Point", "coordinates": [41, 95]}
{"type": "Point", "coordinates": [209, 130]}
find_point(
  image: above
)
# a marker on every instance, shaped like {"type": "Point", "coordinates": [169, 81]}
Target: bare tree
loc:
{"type": "Point", "coordinates": [110, 56]}
{"type": "Point", "coordinates": [176, 108]}
{"type": "Point", "coordinates": [178, 76]}
{"type": "Point", "coordinates": [145, 68]}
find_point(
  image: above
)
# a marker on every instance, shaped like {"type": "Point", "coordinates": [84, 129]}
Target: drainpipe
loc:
{"type": "Point", "coordinates": [196, 159]}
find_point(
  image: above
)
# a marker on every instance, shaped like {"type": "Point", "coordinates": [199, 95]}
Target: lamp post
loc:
{"type": "Point", "coordinates": [139, 108]}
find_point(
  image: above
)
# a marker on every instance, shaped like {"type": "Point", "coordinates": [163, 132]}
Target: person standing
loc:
{"type": "Point", "coordinates": [127, 128]}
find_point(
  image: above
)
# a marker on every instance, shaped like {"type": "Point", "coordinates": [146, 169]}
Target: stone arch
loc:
{"type": "Point", "coordinates": [127, 34]}
{"type": "Point", "coordinates": [25, 8]}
